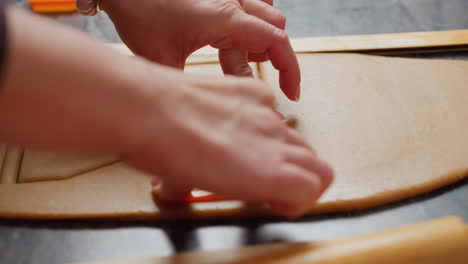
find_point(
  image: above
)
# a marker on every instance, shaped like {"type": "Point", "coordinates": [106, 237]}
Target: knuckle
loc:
{"type": "Point", "coordinates": [281, 36]}
{"type": "Point", "coordinates": [264, 92]}
{"type": "Point", "coordinates": [270, 125]}
{"type": "Point", "coordinates": [244, 69]}
{"type": "Point", "coordinates": [229, 7]}
{"type": "Point", "coordinates": [270, 115]}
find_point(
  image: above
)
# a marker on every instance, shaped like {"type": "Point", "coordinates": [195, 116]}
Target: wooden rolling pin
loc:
{"type": "Point", "coordinates": [442, 241]}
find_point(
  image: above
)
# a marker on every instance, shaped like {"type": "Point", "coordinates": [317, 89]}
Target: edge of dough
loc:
{"type": "Point", "coordinates": [91, 197]}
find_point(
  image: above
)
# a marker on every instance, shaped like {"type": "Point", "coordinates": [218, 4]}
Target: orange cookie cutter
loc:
{"type": "Point", "coordinates": [53, 6]}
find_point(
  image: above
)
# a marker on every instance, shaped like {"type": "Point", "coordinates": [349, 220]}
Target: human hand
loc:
{"type": "Point", "coordinates": [168, 31]}
{"type": "Point", "coordinates": [222, 135]}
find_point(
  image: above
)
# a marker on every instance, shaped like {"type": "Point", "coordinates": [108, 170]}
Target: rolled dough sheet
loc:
{"type": "Point", "coordinates": [392, 128]}
{"type": "Point", "coordinates": [43, 166]}
{"type": "Point", "coordinates": [432, 242]}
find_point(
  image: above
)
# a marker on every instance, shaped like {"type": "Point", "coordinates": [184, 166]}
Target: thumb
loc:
{"type": "Point", "coordinates": [168, 192]}
{"type": "Point", "coordinates": [235, 62]}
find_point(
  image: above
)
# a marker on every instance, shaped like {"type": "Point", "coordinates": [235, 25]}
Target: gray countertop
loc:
{"type": "Point", "coordinates": [72, 241]}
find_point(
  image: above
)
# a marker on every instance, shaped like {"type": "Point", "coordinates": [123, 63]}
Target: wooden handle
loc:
{"type": "Point", "coordinates": [434, 242]}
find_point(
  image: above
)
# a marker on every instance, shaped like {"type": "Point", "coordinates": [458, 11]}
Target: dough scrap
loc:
{"type": "Point", "coordinates": [392, 128]}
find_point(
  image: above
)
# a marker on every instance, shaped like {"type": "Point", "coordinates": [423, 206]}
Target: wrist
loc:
{"type": "Point", "coordinates": [137, 117]}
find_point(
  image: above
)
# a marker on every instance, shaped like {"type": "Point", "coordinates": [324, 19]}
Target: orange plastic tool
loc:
{"type": "Point", "coordinates": [205, 198]}
{"type": "Point", "coordinates": [195, 197]}
{"type": "Point", "coordinates": [53, 6]}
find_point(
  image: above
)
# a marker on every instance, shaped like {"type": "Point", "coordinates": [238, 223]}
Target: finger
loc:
{"type": "Point", "coordinates": [259, 57]}
{"type": "Point", "coordinates": [255, 35]}
{"type": "Point", "coordinates": [307, 159]}
{"type": "Point", "coordinates": [293, 137]}
{"type": "Point", "coordinates": [289, 210]}
{"type": "Point", "coordinates": [155, 181]}
{"type": "Point", "coordinates": [235, 62]}
{"type": "Point", "coordinates": [279, 115]}
{"type": "Point", "coordinates": [270, 2]}
{"type": "Point", "coordinates": [265, 12]}
{"type": "Point", "coordinates": [292, 184]}
{"type": "Point", "coordinates": [307, 188]}
{"type": "Point", "coordinates": [170, 192]}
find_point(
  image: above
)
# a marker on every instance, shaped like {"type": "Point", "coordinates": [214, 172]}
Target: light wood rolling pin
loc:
{"type": "Point", "coordinates": [382, 44]}
{"type": "Point", "coordinates": [394, 43]}
{"type": "Point", "coordinates": [442, 241]}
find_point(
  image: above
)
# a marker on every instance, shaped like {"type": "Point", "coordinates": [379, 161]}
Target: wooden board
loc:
{"type": "Point", "coordinates": [394, 43]}
{"type": "Point", "coordinates": [433, 242]}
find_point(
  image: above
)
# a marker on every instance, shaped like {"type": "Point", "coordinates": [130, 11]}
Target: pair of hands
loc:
{"type": "Point", "coordinates": [221, 134]}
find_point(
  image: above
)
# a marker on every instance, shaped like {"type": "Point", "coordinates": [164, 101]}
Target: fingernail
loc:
{"type": "Point", "coordinates": [280, 115]}
{"type": "Point", "coordinates": [155, 181]}
{"type": "Point", "coordinates": [298, 95]}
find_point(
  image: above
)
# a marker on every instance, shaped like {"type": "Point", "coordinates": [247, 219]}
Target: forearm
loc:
{"type": "Point", "coordinates": [63, 90]}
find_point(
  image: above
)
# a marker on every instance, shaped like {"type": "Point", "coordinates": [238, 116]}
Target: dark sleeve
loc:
{"type": "Point", "coordinates": [3, 38]}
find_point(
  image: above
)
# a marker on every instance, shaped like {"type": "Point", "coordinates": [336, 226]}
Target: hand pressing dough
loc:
{"type": "Point", "coordinates": [44, 166]}
{"type": "Point", "coordinates": [433, 242]}
{"type": "Point", "coordinates": [392, 128]}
